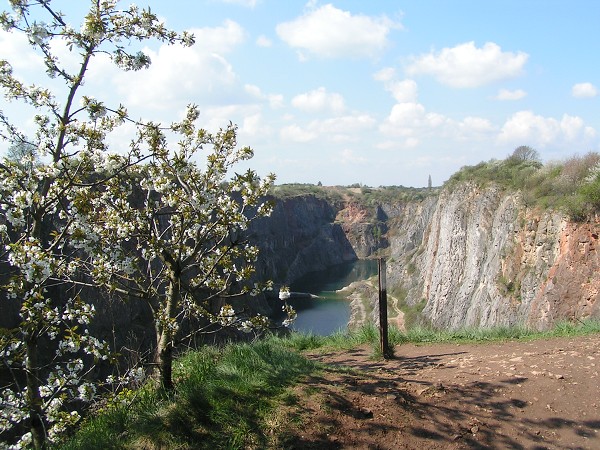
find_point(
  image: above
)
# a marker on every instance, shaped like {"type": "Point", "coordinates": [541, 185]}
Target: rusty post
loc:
{"type": "Point", "coordinates": [383, 315]}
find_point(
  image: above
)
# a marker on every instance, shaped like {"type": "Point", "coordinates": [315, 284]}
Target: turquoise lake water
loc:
{"type": "Point", "coordinates": [331, 311]}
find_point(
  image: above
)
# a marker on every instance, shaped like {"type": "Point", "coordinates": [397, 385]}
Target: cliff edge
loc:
{"type": "Point", "coordinates": [477, 257]}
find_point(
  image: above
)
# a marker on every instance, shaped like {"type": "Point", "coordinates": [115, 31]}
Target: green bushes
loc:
{"type": "Point", "coordinates": [393, 194]}
{"type": "Point", "coordinates": [509, 173]}
{"type": "Point", "coordinates": [365, 195]}
{"type": "Point", "coordinates": [298, 189]}
{"type": "Point", "coordinates": [571, 186]}
{"type": "Point", "coordinates": [590, 192]}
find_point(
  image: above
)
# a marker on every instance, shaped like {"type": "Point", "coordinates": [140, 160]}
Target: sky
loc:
{"type": "Point", "coordinates": [372, 92]}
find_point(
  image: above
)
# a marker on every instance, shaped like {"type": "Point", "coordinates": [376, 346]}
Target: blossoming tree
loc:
{"type": "Point", "coordinates": [174, 233]}
{"type": "Point", "coordinates": [44, 204]}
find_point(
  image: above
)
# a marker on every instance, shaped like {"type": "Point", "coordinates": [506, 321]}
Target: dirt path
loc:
{"type": "Point", "coordinates": [361, 310]}
{"type": "Point", "coordinates": [514, 395]}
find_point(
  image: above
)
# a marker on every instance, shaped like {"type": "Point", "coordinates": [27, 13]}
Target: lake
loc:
{"type": "Point", "coordinates": [331, 311]}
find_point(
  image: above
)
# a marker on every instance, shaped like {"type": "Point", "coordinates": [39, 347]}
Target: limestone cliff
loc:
{"type": "Point", "coordinates": [465, 256]}
{"type": "Point", "coordinates": [478, 257]}
{"type": "Point", "coordinates": [300, 236]}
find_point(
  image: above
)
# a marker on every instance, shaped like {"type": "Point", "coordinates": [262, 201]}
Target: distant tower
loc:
{"type": "Point", "coordinates": [429, 182]}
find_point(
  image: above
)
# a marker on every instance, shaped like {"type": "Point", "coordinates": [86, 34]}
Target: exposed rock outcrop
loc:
{"type": "Point", "coordinates": [365, 228]}
{"type": "Point", "coordinates": [469, 256]}
{"type": "Point", "coordinates": [299, 237]}
{"type": "Point", "coordinates": [479, 258]}
{"type": "Point", "coordinates": [474, 257]}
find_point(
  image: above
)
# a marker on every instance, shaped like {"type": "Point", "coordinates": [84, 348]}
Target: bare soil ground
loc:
{"type": "Point", "coordinates": [543, 394]}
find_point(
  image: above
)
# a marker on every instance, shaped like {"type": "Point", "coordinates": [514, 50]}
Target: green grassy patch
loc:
{"type": "Point", "coordinates": [366, 196]}
{"type": "Point", "coordinates": [222, 399]}
{"type": "Point", "coordinates": [571, 186]}
{"type": "Point", "coordinates": [369, 335]}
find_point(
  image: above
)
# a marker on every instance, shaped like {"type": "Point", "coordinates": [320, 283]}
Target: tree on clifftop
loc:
{"type": "Point", "coordinates": [173, 233]}
{"type": "Point", "coordinates": [524, 153]}
{"type": "Point", "coordinates": [43, 206]}
{"type": "Point", "coordinates": [150, 222]}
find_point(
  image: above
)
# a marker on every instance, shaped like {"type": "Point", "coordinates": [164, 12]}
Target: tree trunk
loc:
{"type": "Point", "coordinates": [164, 354]}
{"type": "Point", "coordinates": [34, 400]}
{"type": "Point", "coordinates": [165, 335]}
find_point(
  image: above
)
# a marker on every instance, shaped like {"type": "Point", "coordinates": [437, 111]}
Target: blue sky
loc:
{"type": "Point", "coordinates": [371, 92]}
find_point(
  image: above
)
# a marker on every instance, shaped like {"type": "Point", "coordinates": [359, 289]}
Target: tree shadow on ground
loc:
{"type": "Point", "coordinates": [362, 403]}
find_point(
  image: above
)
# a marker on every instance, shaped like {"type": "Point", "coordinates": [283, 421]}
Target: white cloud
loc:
{"type": "Point", "coordinates": [505, 94]}
{"type": "Point", "coordinates": [335, 129]}
{"type": "Point", "coordinates": [16, 49]}
{"type": "Point", "coordinates": [254, 128]}
{"type": "Point", "coordinates": [179, 75]}
{"type": "Point", "coordinates": [409, 123]}
{"type": "Point", "coordinates": [118, 140]}
{"type": "Point", "coordinates": [467, 66]}
{"type": "Point", "coordinates": [399, 143]}
{"type": "Point", "coordinates": [319, 100]}
{"type": "Point", "coordinates": [311, 4]}
{"type": "Point", "coordinates": [475, 128]}
{"type": "Point", "coordinates": [344, 125]}
{"type": "Point", "coordinates": [254, 125]}
{"type": "Point", "coordinates": [347, 156]}
{"type": "Point", "coordinates": [573, 128]}
{"type": "Point", "coordinates": [385, 74]}
{"type": "Point", "coordinates": [403, 91]}
{"type": "Point", "coordinates": [253, 90]}
{"type": "Point", "coordinates": [584, 90]}
{"type": "Point", "coordinates": [221, 39]}
{"type": "Point", "coordinates": [525, 127]}
{"type": "Point", "coordinates": [411, 142]}
{"type": "Point", "coordinates": [275, 100]}
{"type": "Point", "coordinates": [246, 3]}
{"type": "Point", "coordinates": [349, 128]}
{"type": "Point", "coordinates": [263, 41]}
{"type": "Point", "coordinates": [296, 134]}
{"type": "Point", "coordinates": [411, 119]}
{"type": "Point", "coordinates": [329, 32]}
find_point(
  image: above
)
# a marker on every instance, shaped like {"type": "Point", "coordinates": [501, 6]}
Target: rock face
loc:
{"type": "Point", "coordinates": [300, 236]}
{"type": "Point", "coordinates": [364, 228]}
{"type": "Point", "coordinates": [571, 288]}
{"type": "Point", "coordinates": [474, 257]}
{"type": "Point", "coordinates": [478, 258]}
{"type": "Point", "coordinates": [469, 257]}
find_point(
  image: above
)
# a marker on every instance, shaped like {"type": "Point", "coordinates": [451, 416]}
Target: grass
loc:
{"type": "Point", "coordinates": [222, 399]}
{"type": "Point", "coordinates": [226, 397]}
{"type": "Point", "coordinates": [369, 335]}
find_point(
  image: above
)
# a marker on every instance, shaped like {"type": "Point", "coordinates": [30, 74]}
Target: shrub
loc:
{"type": "Point", "coordinates": [576, 169]}
{"type": "Point", "coordinates": [590, 193]}
{"type": "Point", "coordinates": [572, 186]}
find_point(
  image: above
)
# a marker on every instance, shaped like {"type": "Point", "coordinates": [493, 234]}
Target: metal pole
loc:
{"type": "Point", "coordinates": [383, 315]}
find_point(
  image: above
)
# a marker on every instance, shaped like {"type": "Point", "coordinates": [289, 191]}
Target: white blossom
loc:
{"type": "Point", "coordinates": [87, 391]}
{"type": "Point", "coordinates": [246, 326]}
{"type": "Point", "coordinates": [284, 293]}
{"type": "Point", "coordinates": [38, 33]}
